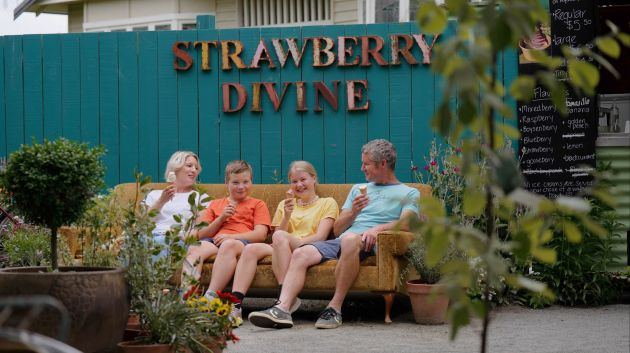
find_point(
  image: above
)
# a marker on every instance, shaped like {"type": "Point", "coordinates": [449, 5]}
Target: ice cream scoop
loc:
{"type": "Point", "coordinates": [363, 189]}
{"type": "Point", "coordinates": [171, 177]}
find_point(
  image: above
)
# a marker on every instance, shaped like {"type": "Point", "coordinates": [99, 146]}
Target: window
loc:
{"type": "Point", "coordinates": [189, 26]}
{"type": "Point", "coordinates": [253, 13]}
{"type": "Point", "coordinates": [384, 11]}
{"type": "Point", "coordinates": [163, 27]}
{"type": "Point", "coordinates": [140, 28]}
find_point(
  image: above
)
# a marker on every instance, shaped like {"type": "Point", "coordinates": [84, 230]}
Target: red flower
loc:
{"type": "Point", "coordinates": [426, 167]}
{"type": "Point", "coordinates": [433, 163]}
{"type": "Point", "coordinates": [233, 338]}
{"type": "Point", "coordinates": [193, 291]}
{"type": "Point", "coordinates": [456, 170]}
{"type": "Point", "coordinates": [414, 168]}
{"type": "Point", "coordinates": [458, 150]}
{"type": "Point", "coordinates": [444, 172]}
{"type": "Point", "coordinates": [227, 297]}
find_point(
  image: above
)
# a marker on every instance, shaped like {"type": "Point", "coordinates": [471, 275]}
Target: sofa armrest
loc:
{"type": "Point", "coordinates": [393, 242]}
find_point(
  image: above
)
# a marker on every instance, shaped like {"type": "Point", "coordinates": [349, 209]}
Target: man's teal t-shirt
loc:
{"type": "Point", "coordinates": [386, 203]}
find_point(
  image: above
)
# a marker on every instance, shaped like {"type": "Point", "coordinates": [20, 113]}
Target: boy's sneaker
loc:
{"type": "Point", "coordinates": [329, 318]}
{"type": "Point", "coordinates": [236, 317]}
{"type": "Point", "coordinates": [273, 317]}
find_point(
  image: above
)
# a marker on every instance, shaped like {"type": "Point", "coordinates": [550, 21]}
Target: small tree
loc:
{"type": "Point", "coordinates": [469, 64]}
{"type": "Point", "coordinates": [51, 183]}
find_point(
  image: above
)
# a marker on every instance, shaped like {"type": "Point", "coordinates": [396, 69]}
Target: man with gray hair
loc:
{"type": "Point", "coordinates": [370, 208]}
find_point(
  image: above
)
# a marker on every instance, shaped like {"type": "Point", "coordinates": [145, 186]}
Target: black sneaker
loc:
{"type": "Point", "coordinates": [329, 318]}
{"type": "Point", "coordinates": [273, 317]}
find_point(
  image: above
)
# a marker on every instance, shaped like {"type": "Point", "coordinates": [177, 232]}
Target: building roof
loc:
{"type": "Point", "coordinates": [59, 7]}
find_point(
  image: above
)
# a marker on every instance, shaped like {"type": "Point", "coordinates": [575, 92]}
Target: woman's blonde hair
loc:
{"type": "Point", "coordinates": [177, 161]}
{"type": "Point", "coordinates": [302, 166]}
{"type": "Point", "coordinates": [236, 167]}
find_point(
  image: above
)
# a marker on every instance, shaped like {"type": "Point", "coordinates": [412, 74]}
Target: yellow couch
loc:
{"type": "Point", "coordinates": [378, 274]}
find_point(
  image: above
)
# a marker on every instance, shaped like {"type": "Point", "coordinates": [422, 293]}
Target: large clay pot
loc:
{"type": "Point", "coordinates": [428, 308]}
{"type": "Point", "coordinates": [136, 347]}
{"type": "Point", "coordinates": [96, 299]}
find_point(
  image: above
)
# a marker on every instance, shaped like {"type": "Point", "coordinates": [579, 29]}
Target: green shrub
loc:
{"type": "Point", "coordinates": [27, 245]}
{"type": "Point", "coordinates": [100, 226]}
{"type": "Point", "coordinates": [50, 183]}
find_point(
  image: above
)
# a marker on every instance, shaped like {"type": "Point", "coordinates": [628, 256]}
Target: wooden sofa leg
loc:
{"type": "Point", "coordinates": [389, 301]}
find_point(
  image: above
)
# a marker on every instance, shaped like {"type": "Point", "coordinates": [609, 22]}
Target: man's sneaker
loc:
{"type": "Point", "coordinates": [236, 317]}
{"type": "Point", "coordinates": [273, 317]}
{"type": "Point", "coordinates": [329, 318]}
{"type": "Point", "coordinates": [295, 306]}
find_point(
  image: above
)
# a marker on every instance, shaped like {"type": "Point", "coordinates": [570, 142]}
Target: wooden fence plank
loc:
{"type": "Point", "coordinates": [400, 107]}
{"type": "Point", "coordinates": [14, 86]}
{"type": "Point", "coordinates": [230, 139]}
{"type": "Point", "coordinates": [148, 152]}
{"type": "Point", "coordinates": [250, 121]}
{"type": "Point", "coordinates": [53, 106]}
{"type": "Point", "coordinates": [187, 109]}
{"type": "Point", "coordinates": [378, 78]}
{"type": "Point", "coordinates": [3, 118]}
{"type": "Point", "coordinates": [334, 123]}
{"type": "Point", "coordinates": [422, 110]}
{"type": "Point", "coordinates": [209, 105]}
{"type": "Point", "coordinates": [128, 93]}
{"type": "Point", "coordinates": [168, 133]}
{"type": "Point", "coordinates": [356, 122]}
{"type": "Point", "coordinates": [108, 105]}
{"type": "Point", "coordinates": [90, 102]}
{"type": "Point", "coordinates": [71, 86]}
{"type": "Point", "coordinates": [312, 121]}
{"type": "Point", "coordinates": [292, 134]}
{"type": "Point", "coordinates": [33, 111]}
{"type": "Point", "coordinates": [271, 123]}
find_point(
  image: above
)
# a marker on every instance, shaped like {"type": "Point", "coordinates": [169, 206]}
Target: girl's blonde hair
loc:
{"type": "Point", "coordinates": [236, 167]}
{"type": "Point", "coordinates": [302, 166]}
{"type": "Point", "coordinates": [177, 161]}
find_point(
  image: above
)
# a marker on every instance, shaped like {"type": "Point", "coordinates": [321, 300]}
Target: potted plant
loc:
{"type": "Point", "coordinates": [49, 184]}
{"type": "Point", "coordinates": [429, 301]}
{"type": "Point", "coordinates": [166, 322]}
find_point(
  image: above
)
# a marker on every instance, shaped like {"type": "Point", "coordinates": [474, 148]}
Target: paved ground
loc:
{"type": "Point", "coordinates": [513, 329]}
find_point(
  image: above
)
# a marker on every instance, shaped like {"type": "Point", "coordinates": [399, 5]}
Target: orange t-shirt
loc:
{"type": "Point", "coordinates": [249, 213]}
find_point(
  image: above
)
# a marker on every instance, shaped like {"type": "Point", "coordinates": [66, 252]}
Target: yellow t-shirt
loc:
{"type": "Point", "coordinates": [305, 219]}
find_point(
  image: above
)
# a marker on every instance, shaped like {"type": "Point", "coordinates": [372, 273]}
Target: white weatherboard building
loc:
{"type": "Point", "coordinates": [143, 15]}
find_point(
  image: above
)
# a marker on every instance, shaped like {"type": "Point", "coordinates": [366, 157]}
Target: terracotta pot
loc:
{"type": "Point", "coordinates": [96, 299]}
{"type": "Point", "coordinates": [137, 347]}
{"type": "Point", "coordinates": [133, 322]}
{"type": "Point", "coordinates": [428, 308]}
{"type": "Point", "coordinates": [215, 345]}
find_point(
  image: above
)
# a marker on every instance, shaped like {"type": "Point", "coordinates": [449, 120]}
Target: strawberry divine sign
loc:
{"type": "Point", "coordinates": [346, 51]}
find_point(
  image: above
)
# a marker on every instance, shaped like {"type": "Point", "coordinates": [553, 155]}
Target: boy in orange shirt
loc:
{"type": "Point", "coordinates": [233, 222]}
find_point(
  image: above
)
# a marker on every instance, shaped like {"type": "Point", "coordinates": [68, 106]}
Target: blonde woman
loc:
{"type": "Point", "coordinates": [302, 218]}
{"type": "Point", "coordinates": [183, 168]}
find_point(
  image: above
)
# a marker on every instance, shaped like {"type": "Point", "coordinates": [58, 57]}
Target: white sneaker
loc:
{"type": "Point", "coordinates": [295, 306]}
{"type": "Point", "coordinates": [236, 317]}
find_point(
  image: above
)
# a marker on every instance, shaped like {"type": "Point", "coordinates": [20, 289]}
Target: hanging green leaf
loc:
{"type": "Point", "coordinates": [609, 46]}
{"type": "Point", "coordinates": [571, 231]}
{"type": "Point", "coordinates": [431, 18]}
{"type": "Point", "coordinates": [522, 88]}
{"type": "Point", "coordinates": [474, 202]}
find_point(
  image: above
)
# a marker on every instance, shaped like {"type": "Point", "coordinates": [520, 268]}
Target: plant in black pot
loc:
{"type": "Point", "coordinates": [50, 184]}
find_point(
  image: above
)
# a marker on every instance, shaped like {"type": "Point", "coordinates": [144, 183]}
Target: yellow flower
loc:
{"type": "Point", "coordinates": [224, 310]}
{"type": "Point", "coordinates": [215, 304]}
{"type": "Point", "coordinates": [203, 300]}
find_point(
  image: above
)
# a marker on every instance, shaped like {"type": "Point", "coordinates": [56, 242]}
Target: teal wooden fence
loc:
{"type": "Point", "coordinates": [120, 90]}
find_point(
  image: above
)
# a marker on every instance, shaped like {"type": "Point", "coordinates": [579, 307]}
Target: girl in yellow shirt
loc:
{"type": "Point", "coordinates": [302, 218]}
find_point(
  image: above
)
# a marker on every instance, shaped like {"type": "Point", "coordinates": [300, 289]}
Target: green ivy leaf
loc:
{"type": "Point", "coordinates": [583, 75]}
{"type": "Point", "coordinates": [571, 231]}
{"type": "Point", "coordinates": [609, 46]}
{"type": "Point", "coordinates": [431, 18]}
{"type": "Point", "coordinates": [522, 88]}
{"type": "Point", "coordinates": [474, 202]}
{"type": "Point", "coordinates": [545, 255]}
{"type": "Point", "coordinates": [624, 38]}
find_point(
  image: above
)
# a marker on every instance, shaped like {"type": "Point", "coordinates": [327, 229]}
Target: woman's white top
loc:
{"type": "Point", "coordinates": [178, 205]}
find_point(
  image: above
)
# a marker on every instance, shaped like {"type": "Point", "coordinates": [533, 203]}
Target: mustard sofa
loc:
{"type": "Point", "coordinates": [379, 274]}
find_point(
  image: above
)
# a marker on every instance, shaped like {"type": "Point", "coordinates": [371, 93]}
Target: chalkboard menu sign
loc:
{"type": "Point", "coordinates": [557, 153]}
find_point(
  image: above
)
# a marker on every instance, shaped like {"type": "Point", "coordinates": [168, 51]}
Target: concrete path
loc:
{"type": "Point", "coordinates": [513, 329]}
